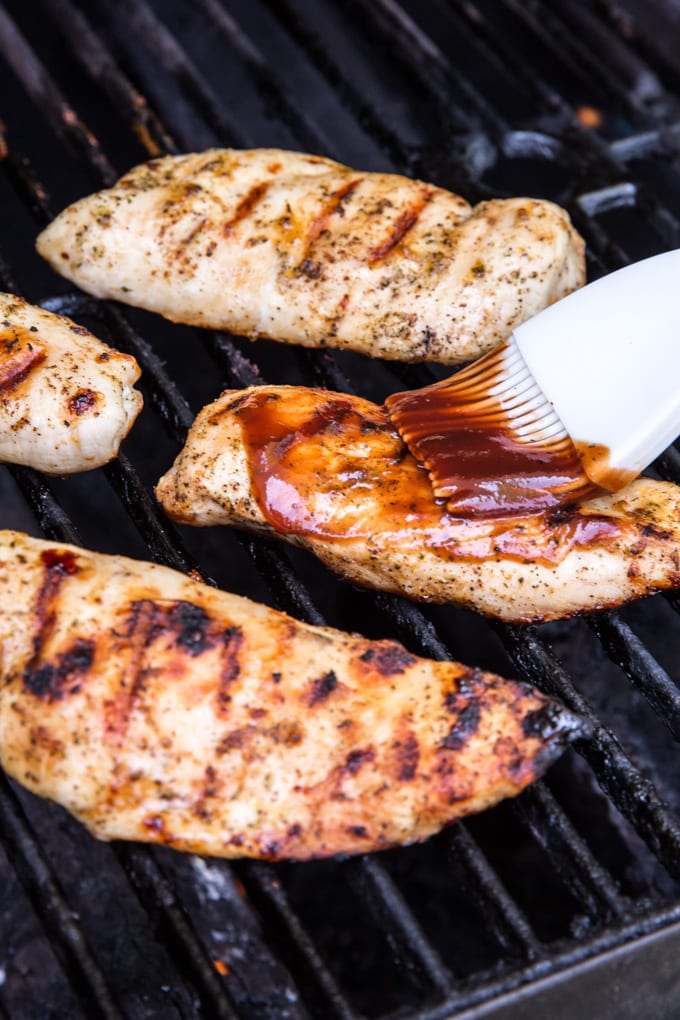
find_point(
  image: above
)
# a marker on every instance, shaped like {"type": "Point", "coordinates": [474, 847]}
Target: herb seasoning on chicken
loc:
{"type": "Point", "coordinates": [329, 472]}
{"type": "Point", "coordinates": [301, 249]}
{"type": "Point", "coordinates": [156, 708]}
{"type": "Point", "coordinates": [66, 399]}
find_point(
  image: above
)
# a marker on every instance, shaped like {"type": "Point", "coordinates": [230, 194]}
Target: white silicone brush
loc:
{"type": "Point", "coordinates": [581, 398]}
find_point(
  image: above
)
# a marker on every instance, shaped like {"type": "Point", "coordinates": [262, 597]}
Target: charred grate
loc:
{"type": "Point", "coordinates": [483, 97]}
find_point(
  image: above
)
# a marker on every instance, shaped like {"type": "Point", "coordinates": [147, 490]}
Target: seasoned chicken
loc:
{"type": "Point", "coordinates": [156, 708]}
{"type": "Point", "coordinates": [277, 244]}
{"type": "Point", "coordinates": [66, 399]}
{"type": "Point", "coordinates": [328, 472]}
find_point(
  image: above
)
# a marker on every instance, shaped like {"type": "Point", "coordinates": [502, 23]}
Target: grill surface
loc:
{"type": "Point", "coordinates": [564, 902]}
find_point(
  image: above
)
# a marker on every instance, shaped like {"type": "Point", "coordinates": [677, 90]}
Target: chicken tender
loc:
{"type": "Point", "coordinates": [329, 472]}
{"type": "Point", "coordinates": [66, 399]}
{"type": "Point", "coordinates": [157, 708]}
{"type": "Point", "coordinates": [301, 249]}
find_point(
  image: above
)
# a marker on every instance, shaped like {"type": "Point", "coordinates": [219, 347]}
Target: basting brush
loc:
{"type": "Point", "coordinates": [578, 401]}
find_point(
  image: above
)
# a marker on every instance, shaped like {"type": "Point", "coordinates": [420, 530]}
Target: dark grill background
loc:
{"type": "Point", "coordinates": [486, 98]}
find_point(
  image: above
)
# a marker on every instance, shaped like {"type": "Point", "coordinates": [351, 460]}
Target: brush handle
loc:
{"type": "Point", "coordinates": [607, 357]}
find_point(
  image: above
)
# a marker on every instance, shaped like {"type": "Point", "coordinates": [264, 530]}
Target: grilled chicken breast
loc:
{"type": "Point", "coordinates": [156, 708]}
{"type": "Point", "coordinates": [66, 399]}
{"type": "Point", "coordinates": [328, 472]}
{"type": "Point", "coordinates": [298, 248]}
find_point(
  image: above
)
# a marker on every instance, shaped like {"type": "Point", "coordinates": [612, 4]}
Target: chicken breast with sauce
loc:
{"type": "Point", "coordinates": [328, 471]}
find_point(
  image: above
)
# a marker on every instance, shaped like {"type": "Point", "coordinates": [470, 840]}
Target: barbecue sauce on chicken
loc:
{"type": "Point", "coordinates": [487, 472]}
{"type": "Point", "coordinates": [464, 431]}
{"type": "Point", "coordinates": [333, 468]}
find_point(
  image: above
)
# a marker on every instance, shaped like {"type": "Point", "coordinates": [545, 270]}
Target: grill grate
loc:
{"type": "Point", "coordinates": [479, 96]}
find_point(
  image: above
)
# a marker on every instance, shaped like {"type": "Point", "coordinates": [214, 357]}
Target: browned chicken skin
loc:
{"type": "Point", "coordinates": [268, 243]}
{"type": "Point", "coordinates": [328, 471]}
{"type": "Point", "coordinates": [156, 708]}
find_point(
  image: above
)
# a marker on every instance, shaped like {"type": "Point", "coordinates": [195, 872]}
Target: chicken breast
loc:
{"type": "Point", "coordinates": [298, 248]}
{"type": "Point", "coordinates": [327, 471]}
{"type": "Point", "coordinates": [66, 399]}
{"type": "Point", "coordinates": [156, 708]}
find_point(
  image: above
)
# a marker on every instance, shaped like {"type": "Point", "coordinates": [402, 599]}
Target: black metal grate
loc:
{"type": "Point", "coordinates": [486, 97]}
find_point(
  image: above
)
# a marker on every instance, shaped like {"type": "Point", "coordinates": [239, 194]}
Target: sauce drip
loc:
{"type": "Point", "coordinates": [331, 467]}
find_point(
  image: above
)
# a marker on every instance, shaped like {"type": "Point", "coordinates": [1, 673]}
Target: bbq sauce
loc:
{"type": "Point", "coordinates": [596, 461]}
{"type": "Point", "coordinates": [465, 435]}
{"type": "Point", "coordinates": [313, 469]}
{"type": "Point", "coordinates": [486, 472]}
{"type": "Point", "coordinates": [334, 468]}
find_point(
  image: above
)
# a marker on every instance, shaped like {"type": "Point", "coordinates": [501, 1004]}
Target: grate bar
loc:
{"type": "Point", "coordinates": [102, 68]}
{"type": "Point", "coordinates": [492, 985]}
{"type": "Point", "coordinates": [633, 794]}
{"type": "Point", "coordinates": [351, 97]}
{"type": "Point", "coordinates": [269, 894]}
{"type": "Point", "coordinates": [44, 892]}
{"type": "Point", "coordinates": [481, 28]}
{"type": "Point", "coordinates": [640, 666]}
{"type": "Point", "coordinates": [47, 96]}
{"type": "Point", "coordinates": [237, 368]}
{"type": "Point", "coordinates": [49, 513]}
{"type": "Point", "coordinates": [404, 933]}
{"type": "Point", "coordinates": [433, 72]}
{"type": "Point", "coordinates": [265, 80]}
{"type": "Point", "coordinates": [160, 903]}
{"type": "Point", "coordinates": [166, 397]}
{"type": "Point", "coordinates": [587, 880]}
{"type": "Point", "coordinates": [668, 464]}
{"type": "Point", "coordinates": [174, 59]}
{"type": "Point", "coordinates": [161, 538]}
{"type": "Point", "coordinates": [509, 922]}
{"type": "Point", "coordinates": [635, 85]}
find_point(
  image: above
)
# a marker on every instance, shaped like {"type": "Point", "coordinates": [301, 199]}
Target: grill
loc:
{"type": "Point", "coordinates": [562, 903]}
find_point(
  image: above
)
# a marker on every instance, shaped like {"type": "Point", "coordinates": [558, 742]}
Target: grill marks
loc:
{"type": "Point", "coordinates": [190, 625]}
{"type": "Point", "coordinates": [158, 636]}
{"type": "Point", "coordinates": [219, 731]}
{"type": "Point", "coordinates": [334, 205]}
{"type": "Point", "coordinates": [466, 725]}
{"type": "Point", "coordinates": [322, 688]}
{"type": "Point", "coordinates": [20, 353]}
{"type": "Point", "coordinates": [231, 668]}
{"type": "Point", "coordinates": [246, 206]}
{"type": "Point", "coordinates": [388, 658]}
{"type": "Point", "coordinates": [406, 751]}
{"type": "Point", "coordinates": [136, 637]}
{"type": "Point", "coordinates": [50, 680]}
{"type": "Point", "coordinates": [405, 222]}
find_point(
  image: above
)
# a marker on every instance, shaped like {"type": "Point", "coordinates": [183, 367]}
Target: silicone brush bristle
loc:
{"type": "Point", "coordinates": [490, 440]}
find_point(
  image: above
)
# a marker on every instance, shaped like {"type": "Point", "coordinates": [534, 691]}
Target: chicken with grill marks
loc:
{"type": "Point", "coordinates": [66, 399]}
{"type": "Point", "coordinates": [157, 708]}
{"type": "Point", "coordinates": [298, 248]}
{"type": "Point", "coordinates": [327, 471]}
